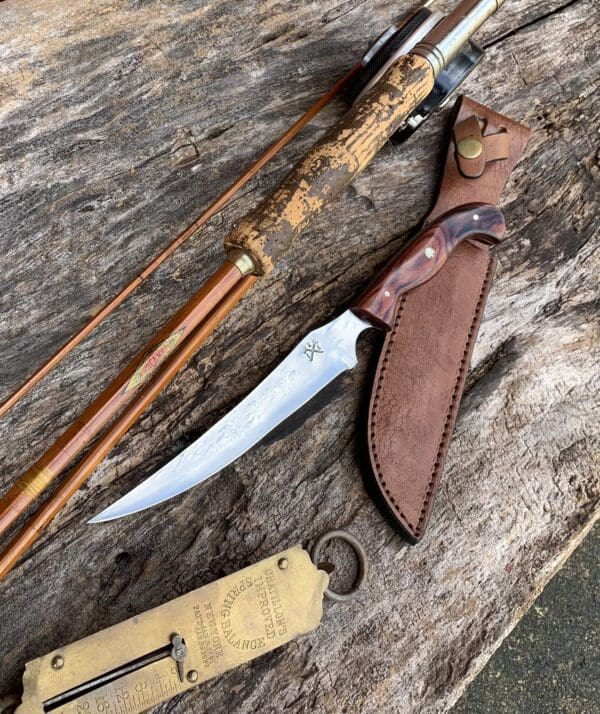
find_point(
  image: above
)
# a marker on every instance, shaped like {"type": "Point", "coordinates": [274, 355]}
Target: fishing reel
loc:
{"type": "Point", "coordinates": [398, 40]}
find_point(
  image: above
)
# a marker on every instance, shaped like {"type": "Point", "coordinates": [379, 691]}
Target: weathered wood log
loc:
{"type": "Point", "coordinates": [119, 124]}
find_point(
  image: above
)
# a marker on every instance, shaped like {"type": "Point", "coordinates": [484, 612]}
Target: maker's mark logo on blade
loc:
{"type": "Point", "coordinates": [313, 348]}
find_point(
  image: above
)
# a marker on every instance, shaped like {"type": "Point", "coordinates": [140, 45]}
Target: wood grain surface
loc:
{"type": "Point", "coordinates": [425, 256]}
{"type": "Point", "coordinates": [119, 122]}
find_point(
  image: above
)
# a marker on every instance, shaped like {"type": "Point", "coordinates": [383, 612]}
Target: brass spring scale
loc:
{"type": "Point", "coordinates": [143, 661]}
{"type": "Point", "coordinates": [146, 660]}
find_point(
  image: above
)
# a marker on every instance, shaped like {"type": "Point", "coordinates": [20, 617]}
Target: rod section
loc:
{"type": "Point", "coordinates": [76, 478]}
{"type": "Point", "coordinates": [118, 393]}
{"type": "Point", "coordinates": [211, 211]}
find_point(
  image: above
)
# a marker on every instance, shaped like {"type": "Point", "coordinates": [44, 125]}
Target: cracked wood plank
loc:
{"type": "Point", "coordinates": [119, 124]}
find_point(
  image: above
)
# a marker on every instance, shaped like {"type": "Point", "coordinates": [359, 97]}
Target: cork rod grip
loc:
{"type": "Point", "coordinates": [334, 161]}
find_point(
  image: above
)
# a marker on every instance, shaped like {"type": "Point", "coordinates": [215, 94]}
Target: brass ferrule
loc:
{"type": "Point", "coordinates": [445, 41]}
{"type": "Point", "coordinates": [242, 260]}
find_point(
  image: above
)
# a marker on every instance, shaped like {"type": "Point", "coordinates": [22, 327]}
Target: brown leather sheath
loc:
{"type": "Point", "coordinates": [425, 358]}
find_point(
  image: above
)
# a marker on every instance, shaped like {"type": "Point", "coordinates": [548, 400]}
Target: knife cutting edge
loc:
{"type": "Point", "coordinates": [317, 359]}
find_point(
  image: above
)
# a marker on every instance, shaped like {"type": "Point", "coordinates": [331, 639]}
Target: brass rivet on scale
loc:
{"type": "Point", "coordinates": [192, 676]}
{"type": "Point", "coordinates": [469, 147]}
{"type": "Point", "coordinates": [282, 563]}
{"type": "Point", "coordinates": [57, 662]}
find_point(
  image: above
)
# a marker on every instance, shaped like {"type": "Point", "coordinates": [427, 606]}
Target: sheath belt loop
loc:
{"type": "Point", "coordinates": [474, 151]}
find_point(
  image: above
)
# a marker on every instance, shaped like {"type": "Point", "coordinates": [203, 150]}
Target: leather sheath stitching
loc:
{"type": "Point", "coordinates": [453, 406]}
{"type": "Point", "coordinates": [445, 436]}
{"type": "Point", "coordinates": [379, 472]}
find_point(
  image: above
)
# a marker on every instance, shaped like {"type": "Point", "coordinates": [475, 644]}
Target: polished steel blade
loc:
{"type": "Point", "coordinates": [320, 357]}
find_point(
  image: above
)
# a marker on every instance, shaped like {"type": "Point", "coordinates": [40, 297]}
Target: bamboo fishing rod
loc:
{"type": "Point", "coordinates": [255, 245]}
{"type": "Point", "coordinates": [209, 213]}
{"type": "Point", "coordinates": [118, 393]}
{"type": "Point", "coordinates": [53, 462]}
{"type": "Point", "coordinates": [76, 478]}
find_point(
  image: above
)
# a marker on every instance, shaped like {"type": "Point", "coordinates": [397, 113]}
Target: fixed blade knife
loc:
{"type": "Point", "coordinates": [316, 360]}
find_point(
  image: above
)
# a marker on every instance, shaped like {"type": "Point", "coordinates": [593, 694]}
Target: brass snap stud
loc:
{"type": "Point", "coordinates": [361, 558]}
{"type": "Point", "coordinates": [469, 148]}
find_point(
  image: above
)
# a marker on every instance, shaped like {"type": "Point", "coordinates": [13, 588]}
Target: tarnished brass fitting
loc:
{"type": "Point", "coordinates": [469, 147]}
{"type": "Point", "coordinates": [242, 260]}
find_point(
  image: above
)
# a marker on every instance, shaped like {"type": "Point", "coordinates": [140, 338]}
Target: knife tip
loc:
{"type": "Point", "coordinates": [100, 518]}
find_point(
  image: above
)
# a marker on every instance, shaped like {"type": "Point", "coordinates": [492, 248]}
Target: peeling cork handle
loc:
{"type": "Point", "coordinates": [268, 231]}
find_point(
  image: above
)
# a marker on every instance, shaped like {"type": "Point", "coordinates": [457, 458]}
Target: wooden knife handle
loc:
{"type": "Point", "coordinates": [424, 257]}
{"type": "Point", "coordinates": [334, 161]}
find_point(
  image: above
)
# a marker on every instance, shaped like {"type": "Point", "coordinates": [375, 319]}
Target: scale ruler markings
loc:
{"type": "Point", "coordinates": [133, 698]}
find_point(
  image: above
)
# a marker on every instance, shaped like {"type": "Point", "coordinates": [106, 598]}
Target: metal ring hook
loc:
{"type": "Point", "coordinates": [361, 558]}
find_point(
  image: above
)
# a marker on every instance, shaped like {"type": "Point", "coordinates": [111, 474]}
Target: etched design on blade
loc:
{"type": "Point", "coordinates": [236, 425]}
{"type": "Point", "coordinates": [295, 381]}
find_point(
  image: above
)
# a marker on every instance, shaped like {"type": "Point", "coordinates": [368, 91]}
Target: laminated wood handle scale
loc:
{"type": "Point", "coordinates": [424, 256]}
{"type": "Point", "coordinates": [268, 231]}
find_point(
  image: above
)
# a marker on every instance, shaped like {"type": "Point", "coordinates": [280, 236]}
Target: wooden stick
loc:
{"type": "Point", "coordinates": [118, 393]}
{"type": "Point", "coordinates": [33, 529]}
{"type": "Point", "coordinates": [212, 210]}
